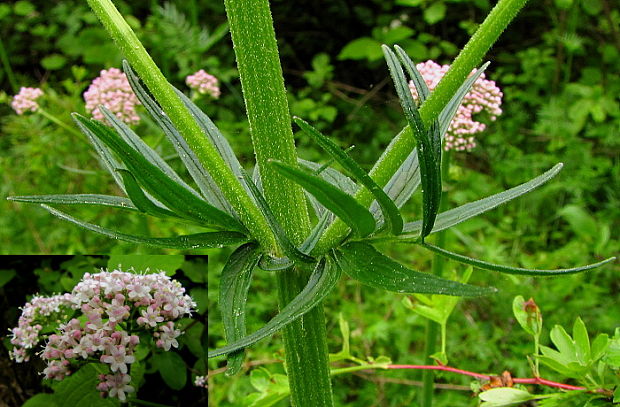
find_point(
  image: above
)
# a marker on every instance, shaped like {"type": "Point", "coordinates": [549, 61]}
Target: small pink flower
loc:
{"type": "Point", "coordinates": [167, 336]}
{"type": "Point", "coordinates": [25, 100]}
{"type": "Point", "coordinates": [150, 316]}
{"type": "Point", "coordinates": [113, 91]}
{"type": "Point", "coordinates": [117, 385]}
{"type": "Point", "coordinates": [204, 83]}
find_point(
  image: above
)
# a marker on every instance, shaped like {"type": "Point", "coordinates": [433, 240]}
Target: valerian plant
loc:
{"type": "Point", "coordinates": [266, 215]}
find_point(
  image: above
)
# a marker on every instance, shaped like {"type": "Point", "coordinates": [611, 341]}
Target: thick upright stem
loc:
{"type": "Point", "coordinates": [183, 120]}
{"type": "Point", "coordinates": [253, 36]}
{"type": "Point", "coordinates": [392, 158]}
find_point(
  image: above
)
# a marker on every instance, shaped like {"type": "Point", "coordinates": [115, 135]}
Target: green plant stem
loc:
{"type": "Point", "coordinates": [6, 64]}
{"type": "Point", "coordinates": [256, 51]}
{"type": "Point", "coordinates": [393, 157]}
{"type": "Point", "coordinates": [185, 123]}
{"type": "Point", "coordinates": [60, 123]}
{"type": "Point", "coordinates": [430, 344]}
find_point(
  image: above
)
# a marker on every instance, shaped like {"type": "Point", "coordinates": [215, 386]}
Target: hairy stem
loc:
{"type": "Point", "coordinates": [305, 340]}
{"type": "Point", "coordinates": [391, 159]}
{"type": "Point", "coordinates": [180, 116]}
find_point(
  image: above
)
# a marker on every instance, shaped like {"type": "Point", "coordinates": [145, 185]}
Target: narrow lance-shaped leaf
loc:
{"type": "Point", "coordinates": [289, 248]}
{"type": "Point", "coordinates": [388, 207]}
{"type": "Point", "coordinates": [140, 200]}
{"type": "Point", "coordinates": [416, 76]}
{"type": "Point", "coordinates": [158, 184]}
{"type": "Point", "coordinates": [194, 241]}
{"type": "Point", "coordinates": [78, 199]}
{"type": "Point", "coordinates": [200, 175]}
{"type": "Point", "coordinates": [460, 214]}
{"type": "Point", "coordinates": [427, 141]}
{"type": "Point", "coordinates": [507, 269]}
{"type": "Point", "coordinates": [339, 202]}
{"type": "Point", "coordinates": [364, 263]}
{"type": "Point", "coordinates": [407, 178]}
{"type": "Point", "coordinates": [234, 286]}
{"type": "Point", "coordinates": [322, 280]}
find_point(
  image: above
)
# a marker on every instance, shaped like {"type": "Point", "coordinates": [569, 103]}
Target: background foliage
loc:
{"type": "Point", "coordinates": [557, 66]}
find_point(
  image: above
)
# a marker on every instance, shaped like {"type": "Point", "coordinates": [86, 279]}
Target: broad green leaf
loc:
{"type": "Point", "coordinates": [428, 145]}
{"type": "Point", "coordinates": [172, 369]}
{"type": "Point", "coordinates": [289, 248]}
{"type": "Point", "coordinates": [41, 400]}
{"type": "Point", "coordinates": [505, 396]}
{"type": "Point", "coordinates": [364, 263]}
{"type": "Point", "coordinates": [563, 342]}
{"type": "Point", "coordinates": [390, 212]}
{"type": "Point", "coordinates": [194, 241]}
{"type": "Point", "coordinates": [582, 341]}
{"type": "Point", "coordinates": [139, 198]}
{"type": "Point", "coordinates": [339, 202]}
{"type": "Point", "coordinates": [507, 269]}
{"type": "Point", "coordinates": [528, 315]}
{"type": "Point", "coordinates": [612, 352]}
{"type": "Point", "coordinates": [78, 199]}
{"type": "Point", "coordinates": [599, 346]}
{"type": "Point", "coordinates": [79, 388]}
{"type": "Point", "coordinates": [168, 263]}
{"type": "Point", "coordinates": [176, 197]}
{"type": "Point", "coordinates": [361, 48]}
{"type": "Point", "coordinates": [234, 286]}
{"type": "Point", "coordinates": [322, 280]}
{"type": "Point", "coordinates": [6, 276]}
{"type": "Point", "coordinates": [455, 216]}
{"type": "Point", "coordinates": [200, 175]}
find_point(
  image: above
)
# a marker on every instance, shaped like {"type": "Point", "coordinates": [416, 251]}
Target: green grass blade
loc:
{"type": "Point", "coordinates": [78, 199]}
{"type": "Point", "coordinates": [322, 280]}
{"type": "Point", "coordinates": [194, 241]}
{"type": "Point", "coordinates": [455, 216]}
{"type": "Point", "coordinates": [199, 174]}
{"type": "Point", "coordinates": [507, 269]}
{"type": "Point", "coordinates": [140, 200]}
{"type": "Point", "coordinates": [365, 264]}
{"type": "Point", "coordinates": [390, 212]}
{"type": "Point", "coordinates": [158, 184]}
{"type": "Point", "coordinates": [289, 248]}
{"type": "Point", "coordinates": [339, 202]}
{"type": "Point", "coordinates": [234, 286]}
{"type": "Point", "coordinates": [427, 142]}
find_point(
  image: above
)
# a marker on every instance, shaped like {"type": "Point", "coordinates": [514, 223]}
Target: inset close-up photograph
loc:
{"type": "Point", "coordinates": [257, 203]}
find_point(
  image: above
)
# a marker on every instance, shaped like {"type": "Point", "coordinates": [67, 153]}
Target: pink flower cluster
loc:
{"type": "Point", "coordinates": [113, 306]}
{"type": "Point", "coordinates": [483, 96]}
{"type": "Point", "coordinates": [25, 100]}
{"type": "Point", "coordinates": [38, 312]}
{"type": "Point", "coordinates": [204, 83]}
{"type": "Point", "coordinates": [113, 91]}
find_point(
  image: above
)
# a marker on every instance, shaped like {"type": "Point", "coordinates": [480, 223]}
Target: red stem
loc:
{"type": "Point", "coordinates": [533, 380]}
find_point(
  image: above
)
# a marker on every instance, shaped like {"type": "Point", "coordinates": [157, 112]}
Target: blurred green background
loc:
{"type": "Point", "coordinates": [557, 65]}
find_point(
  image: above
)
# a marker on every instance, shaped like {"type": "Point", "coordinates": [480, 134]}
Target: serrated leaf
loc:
{"type": "Point", "coordinates": [428, 144]}
{"type": "Point", "coordinates": [364, 263]}
{"type": "Point", "coordinates": [563, 342]}
{"type": "Point", "coordinates": [78, 199]}
{"type": "Point", "coordinates": [390, 212]}
{"type": "Point", "coordinates": [599, 346]}
{"type": "Point", "coordinates": [339, 202]}
{"type": "Point", "coordinates": [289, 248]}
{"type": "Point", "coordinates": [234, 286]}
{"type": "Point", "coordinates": [582, 341]}
{"type": "Point", "coordinates": [455, 216]}
{"type": "Point", "coordinates": [172, 369]}
{"type": "Point", "coordinates": [193, 241]}
{"type": "Point", "coordinates": [163, 188]}
{"type": "Point", "coordinates": [79, 389]}
{"type": "Point", "coordinates": [322, 280]}
{"type": "Point", "coordinates": [507, 269]}
{"type": "Point", "coordinates": [199, 174]}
